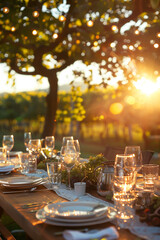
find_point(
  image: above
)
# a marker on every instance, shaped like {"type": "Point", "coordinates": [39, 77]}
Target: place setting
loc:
{"type": "Point", "coordinates": [75, 214]}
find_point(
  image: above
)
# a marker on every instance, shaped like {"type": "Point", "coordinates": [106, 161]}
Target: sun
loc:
{"type": "Point", "coordinates": [147, 86]}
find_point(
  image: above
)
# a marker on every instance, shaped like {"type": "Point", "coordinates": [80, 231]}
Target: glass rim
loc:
{"type": "Point", "coordinates": [133, 146]}
{"type": "Point", "coordinates": [10, 135]}
{"type": "Point", "coordinates": [125, 155]}
{"type": "Point", "coordinates": [49, 137]}
{"type": "Point", "coordinates": [150, 165]}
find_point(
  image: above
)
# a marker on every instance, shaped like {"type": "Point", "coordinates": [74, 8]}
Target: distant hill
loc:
{"type": "Point", "coordinates": [65, 87]}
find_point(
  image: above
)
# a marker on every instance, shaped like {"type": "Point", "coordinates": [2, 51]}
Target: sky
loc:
{"type": "Point", "coordinates": [22, 82]}
{"type": "Point", "coordinates": [29, 83]}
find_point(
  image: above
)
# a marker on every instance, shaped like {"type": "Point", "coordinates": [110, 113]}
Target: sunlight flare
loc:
{"type": "Point", "coordinates": [147, 86]}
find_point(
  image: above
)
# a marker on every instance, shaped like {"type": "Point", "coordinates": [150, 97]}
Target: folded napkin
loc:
{"type": "Point", "coordinates": [6, 168]}
{"type": "Point", "coordinates": [110, 232]}
{"type": "Point", "coordinates": [146, 232]}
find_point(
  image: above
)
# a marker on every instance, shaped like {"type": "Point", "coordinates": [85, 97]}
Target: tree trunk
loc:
{"type": "Point", "coordinates": [51, 108]}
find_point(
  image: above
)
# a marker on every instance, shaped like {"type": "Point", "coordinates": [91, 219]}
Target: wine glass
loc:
{"type": "Point", "coordinates": [65, 139]}
{"type": "Point", "coordinates": [76, 145]}
{"type": "Point", "coordinates": [69, 159]}
{"type": "Point", "coordinates": [50, 144]}
{"type": "Point", "coordinates": [27, 138]}
{"type": "Point", "coordinates": [136, 150]}
{"type": "Point", "coordinates": [8, 143]}
{"type": "Point", "coordinates": [34, 146]}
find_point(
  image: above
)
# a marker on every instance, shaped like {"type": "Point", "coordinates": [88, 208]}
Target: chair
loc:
{"type": "Point", "coordinates": [4, 232]}
{"type": "Point", "coordinates": [110, 154]}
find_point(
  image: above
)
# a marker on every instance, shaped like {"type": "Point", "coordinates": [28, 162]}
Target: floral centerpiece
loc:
{"type": "Point", "coordinates": [85, 171]}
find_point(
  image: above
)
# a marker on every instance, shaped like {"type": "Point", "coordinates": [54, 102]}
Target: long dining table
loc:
{"type": "Point", "coordinates": [22, 207]}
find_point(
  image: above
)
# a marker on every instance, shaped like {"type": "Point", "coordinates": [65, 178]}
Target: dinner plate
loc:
{"type": "Point", "coordinates": [52, 217]}
{"type": "Point", "coordinates": [75, 210]}
{"type": "Point", "coordinates": [41, 215]}
{"type": "Point", "coordinates": [21, 182]}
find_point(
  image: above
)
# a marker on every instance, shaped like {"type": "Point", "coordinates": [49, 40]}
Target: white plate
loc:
{"type": "Point", "coordinates": [41, 215]}
{"type": "Point", "coordinates": [75, 210]}
{"type": "Point", "coordinates": [21, 182]}
{"type": "Point", "coordinates": [51, 217]}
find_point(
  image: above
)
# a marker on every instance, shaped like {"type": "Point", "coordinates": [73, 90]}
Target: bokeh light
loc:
{"type": "Point", "coordinates": [158, 34]}
{"type": "Point", "coordinates": [62, 18]}
{"type": "Point", "coordinates": [13, 29]}
{"type": "Point", "coordinates": [136, 32]}
{"type": "Point", "coordinates": [90, 23]}
{"type": "Point", "coordinates": [114, 28]}
{"type": "Point", "coordinates": [116, 108]}
{"type": "Point", "coordinates": [156, 45]}
{"type": "Point", "coordinates": [95, 44]}
{"type": "Point", "coordinates": [34, 32]}
{"type": "Point", "coordinates": [6, 10]}
{"type": "Point", "coordinates": [130, 100]}
{"type": "Point", "coordinates": [55, 35]}
{"type": "Point", "coordinates": [35, 14]}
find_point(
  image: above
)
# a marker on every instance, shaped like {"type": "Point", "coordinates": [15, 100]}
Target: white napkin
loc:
{"type": "Point", "coordinates": [6, 168]}
{"type": "Point", "coordinates": [146, 232]}
{"type": "Point", "coordinates": [110, 232]}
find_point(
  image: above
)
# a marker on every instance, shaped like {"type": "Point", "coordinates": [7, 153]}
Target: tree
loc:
{"type": "Point", "coordinates": [43, 37]}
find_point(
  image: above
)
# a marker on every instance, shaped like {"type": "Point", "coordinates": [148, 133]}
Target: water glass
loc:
{"type": "Point", "coordinates": [54, 173]}
{"type": "Point", "coordinates": [124, 187]}
{"type": "Point", "coordinates": [3, 155]}
{"type": "Point", "coordinates": [150, 175]}
{"type": "Point", "coordinates": [32, 164]}
{"type": "Point", "coordinates": [24, 162]}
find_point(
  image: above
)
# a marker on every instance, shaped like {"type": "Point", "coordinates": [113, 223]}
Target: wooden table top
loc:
{"type": "Point", "coordinates": [15, 206]}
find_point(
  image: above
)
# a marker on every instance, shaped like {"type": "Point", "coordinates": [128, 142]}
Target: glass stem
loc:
{"type": "Point", "coordinates": [69, 179]}
{"type": "Point", "coordinates": [8, 158]}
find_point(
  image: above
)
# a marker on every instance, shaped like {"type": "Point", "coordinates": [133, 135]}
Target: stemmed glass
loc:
{"type": "Point", "coordinates": [27, 138]}
{"type": "Point", "coordinates": [65, 139]}
{"type": "Point", "coordinates": [50, 144]}
{"type": "Point", "coordinates": [69, 159]}
{"type": "Point", "coordinates": [34, 146]}
{"type": "Point", "coordinates": [136, 150]}
{"type": "Point", "coordinates": [8, 143]}
{"type": "Point", "coordinates": [74, 143]}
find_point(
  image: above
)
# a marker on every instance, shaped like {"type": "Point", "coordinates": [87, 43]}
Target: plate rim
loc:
{"type": "Point", "coordinates": [82, 203]}
{"type": "Point", "coordinates": [73, 224]}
